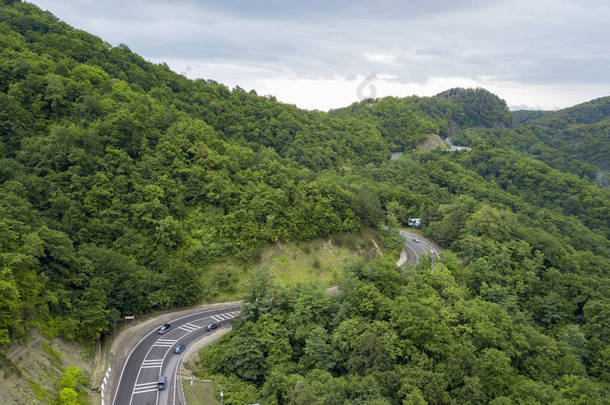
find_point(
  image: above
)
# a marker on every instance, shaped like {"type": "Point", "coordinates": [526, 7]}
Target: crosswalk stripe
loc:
{"type": "Point", "coordinates": [188, 327]}
{"type": "Point", "coordinates": [215, 318]}
{"type": "Point", "coordinates": [145, 391]}
{"type": "Point", "coordinates": [147, 384]}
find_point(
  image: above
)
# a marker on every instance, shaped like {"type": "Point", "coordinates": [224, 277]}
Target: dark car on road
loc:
{"type": "Point", "coordinates": [179, 348]}
{"type": "Point", "coordinates": [212, 326]}
{"type": "Point", "coordinates": [162, 382]}
{"type": "Point", "coordinates": [164, 328]}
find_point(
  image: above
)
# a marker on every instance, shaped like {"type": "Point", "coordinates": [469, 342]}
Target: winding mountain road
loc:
{"type": "Point", "coordinates": [153, 356]}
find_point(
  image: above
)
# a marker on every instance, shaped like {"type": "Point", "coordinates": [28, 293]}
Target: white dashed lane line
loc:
{"type": "Point", "coordinates": [165, 345]}
{"type": "Point", "coordinates": [168, 344]}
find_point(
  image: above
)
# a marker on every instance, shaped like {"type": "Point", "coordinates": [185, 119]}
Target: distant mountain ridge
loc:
{"type": "Point", "coordinates": [589, 112]}
{"type": "Point", "coordinates": [575, 139]}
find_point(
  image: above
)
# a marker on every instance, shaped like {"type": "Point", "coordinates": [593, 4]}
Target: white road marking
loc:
{"type": "Point", "coordinates": [145, 387]}
{"type": "Point", "coordinates": [175, 371]}
{"type": "Point", "coordinates": [146, 390]}
{"type": "Point", "coordinates": [152, 363]}
{"type": "Point", "coordinates": [214, 317]}
{"type": "Point", "coordinates": [163, 344]}
{"type": "Point", "coordinates": [429, 247]}
{"type": "Point", "coordinates": [188, 327]}
{"type": "Point", "coordinates": [178, 369]}
{"type": "Point", "coordinates": [149, 349]}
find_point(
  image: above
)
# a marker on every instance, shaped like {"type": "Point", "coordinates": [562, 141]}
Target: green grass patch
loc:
{"type": "Point", "coordinates": [291, 263]}
{"type": "Point", "coordinates": [40, 393]}
{"type": "Point", "coordinates": [202, 392]}
{"type": "Point", "coordinates": [53, 355]}
{"type": "Point", "coordinates": [433, 141]}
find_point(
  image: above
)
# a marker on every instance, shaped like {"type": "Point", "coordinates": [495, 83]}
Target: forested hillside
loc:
{"type": "Point", "coordinates": [575, 139]}
{"type": "Point", "coordinates": [405, 122]}
{"type": "Point", "coordinates": [121, 181]}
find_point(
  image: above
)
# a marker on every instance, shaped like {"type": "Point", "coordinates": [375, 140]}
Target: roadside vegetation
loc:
{"type": "Point", "coordinates": [200, 392]}
{"type": "Point", "coordinates": [290, 263]}
{"type": "Point", "coordinates": [410, 336]}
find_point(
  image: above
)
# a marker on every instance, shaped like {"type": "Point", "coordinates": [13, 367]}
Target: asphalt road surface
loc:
{"type": "Point", "coordinates": [417, 247]}
{"type": "Point", "coordinates": [154, 356]}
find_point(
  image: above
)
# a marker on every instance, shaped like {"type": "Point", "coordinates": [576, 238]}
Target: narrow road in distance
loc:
{"type": "Point", "coordinates": [416, 247]}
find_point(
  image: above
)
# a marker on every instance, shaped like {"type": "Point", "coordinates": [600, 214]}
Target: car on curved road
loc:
{"type": "Point", "coordinates": [212, 326]}
{"type": "Point", "coordinates": [164, 328]}
{"type": "Point", "coordinates": [179, 348]}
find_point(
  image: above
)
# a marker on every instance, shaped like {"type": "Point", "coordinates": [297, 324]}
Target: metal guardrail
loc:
{"type": "Point", "coordinates": [104, 383]}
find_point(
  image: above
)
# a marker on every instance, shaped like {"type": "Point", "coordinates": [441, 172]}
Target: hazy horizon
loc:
{"type": "Point", "coordinates": [317, 55]}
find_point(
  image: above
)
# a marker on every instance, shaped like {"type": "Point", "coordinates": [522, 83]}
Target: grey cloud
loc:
{"type": "Point", "coordinates": [528, 42]}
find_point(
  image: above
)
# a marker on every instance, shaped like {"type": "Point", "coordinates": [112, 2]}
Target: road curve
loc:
{"type": "Point", "coordinates": [415, 248]}
{"type": "Point", "coordinates": [153, 356]}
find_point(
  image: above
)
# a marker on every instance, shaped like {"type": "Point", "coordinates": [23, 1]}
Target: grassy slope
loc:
{"type": "Point", "coordinates": [319, 259]}
{"type": "Point", "coordinates": [200, 393]}
{"type": "Point", "coordinates": [433, 141]}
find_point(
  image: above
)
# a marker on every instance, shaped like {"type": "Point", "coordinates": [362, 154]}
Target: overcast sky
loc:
{"type": "Point", "coordinates": [324, 54]}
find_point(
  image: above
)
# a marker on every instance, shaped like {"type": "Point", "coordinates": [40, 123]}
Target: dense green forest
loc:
{"type": "Point", "coordinates": [121, 181]}
{"type": "Point", "coordinates": [405, 122]}
{"type": "Point", "coordinates": [575, 139]}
